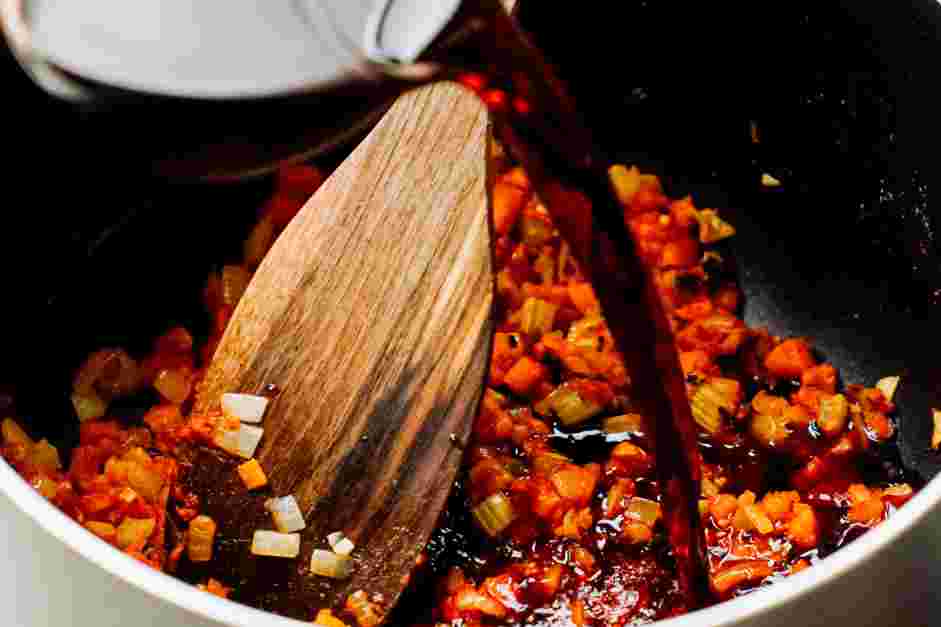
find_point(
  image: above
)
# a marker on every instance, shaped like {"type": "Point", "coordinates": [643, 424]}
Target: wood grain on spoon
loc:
{"type": "Point", "coordinates": [372, 315]}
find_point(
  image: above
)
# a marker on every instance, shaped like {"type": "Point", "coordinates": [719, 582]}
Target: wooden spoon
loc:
{"type": "Point", "coordinates": [372, 317]}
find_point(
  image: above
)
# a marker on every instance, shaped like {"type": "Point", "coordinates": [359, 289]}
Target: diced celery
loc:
{"type": "Point", "coordinates": [537, 316]}
{"type": "Point", "coordinates": [494, 514]}
{"type": "Point", "coordinates": [88, 406]}
{"type": "Point", "coordinates": [712, 228]}
{"type": "Point", "coordinates": [569, 406]}
{"type": "Point", "coordinates": [710, 399]}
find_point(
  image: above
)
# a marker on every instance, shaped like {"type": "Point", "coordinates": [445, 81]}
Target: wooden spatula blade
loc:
{"type": "Point", "coordinates": [372, 316]}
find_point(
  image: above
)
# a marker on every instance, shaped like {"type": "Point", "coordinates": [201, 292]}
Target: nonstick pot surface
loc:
{"type": "Point", "coordinates": [841, 101]}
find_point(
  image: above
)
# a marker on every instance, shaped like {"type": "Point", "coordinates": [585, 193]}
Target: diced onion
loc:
{"type": "Point", "coordinates": [245, 407]}
{"type": "Point", "coordinates": [135, 531]}
{"type": "Point", "coordinates": [174, 385]}
{"type": "Point", "coordinates": [769, 181]}
{"type": "Point", "coordinates": [537, 316]}
{"type": "Point", "coordinates": [888, 385]}
{"type": "Point", "coordinates": [242, 441]}
{"type": "Point", "coordinates": [249, 437]}
{"type": "Point", "coordinates": [344, 547]}
{"type": "Point", "coordinates": [88, 405]}
{"type": "Point", "coordinates": [276, 544]}
{"type": "Point", "coordinates": [286, 514]}
{"type": "Point", "coordinates": [202, 531]}
{"type": "Point", "coordinates": [334, 538]}
{"type": "Point", "coordinates": [494, 514]}
{"type": "Point", "coordinates": [329, 564]}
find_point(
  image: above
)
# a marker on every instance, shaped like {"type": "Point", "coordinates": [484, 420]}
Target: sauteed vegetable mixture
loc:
{"type": "Point", "coordinates": [557, 519]}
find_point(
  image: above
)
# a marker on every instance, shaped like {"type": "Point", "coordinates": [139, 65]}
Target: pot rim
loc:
{"type": "Point", "coordinates": [232, 614]}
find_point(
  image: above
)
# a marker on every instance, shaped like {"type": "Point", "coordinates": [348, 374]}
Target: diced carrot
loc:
{"type": "Point", "coordinates": [215, 587]}
{"type": "Point", "coordinates": [789, 359]}
{"type": "Point", "coordinates": [628, 460]}
{"type": "Point", "coordinates": [722, 507]}
{"type": "Point", "coordinates": [696, 310]}
{"type": "Point", "coordinates": [683, 213]}
{"type": "Point", "coordinates": [525, 374]}
{"type": "Point", "coordinates": [517, 176]}
{"type": "Point", "coordinates": [488, 477]}
{"type": "Point", "coordinates": [583, 297]}
{"type": "Point", "coordinates": [680, 253]}
{"type": "Point", "coordinates": [507, 201]}
{"type": "Point", "coordinates": [327, 619]}
{"type": "Point", "coordinates": [802, 529]}
{"type": "Point", "coordinates": [719, 334]}
{"type": "Point", "coordinates": [576, 483]}
{"type": "Point", "coordinates": [252, 474]}
{"type": "Point", "coordinates": [696, 361]}
{"type": "Point", "coordinates": [822, 376]}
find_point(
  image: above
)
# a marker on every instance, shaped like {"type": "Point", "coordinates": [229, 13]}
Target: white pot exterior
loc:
{"type": "Point", "coordinates": [58, 575]}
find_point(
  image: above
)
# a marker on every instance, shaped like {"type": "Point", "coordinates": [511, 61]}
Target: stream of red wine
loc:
{"type": "Point", "coordinates": [538, 121]}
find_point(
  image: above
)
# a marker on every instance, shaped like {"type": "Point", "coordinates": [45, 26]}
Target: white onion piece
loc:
{"type": "Point", "coordinates": [275, 544]}
{"type": "Point", "coordinates": [227, 440]}
{"type": "Point", "coordinates": [286, 514]}
{"type": "Point", "coordinates": [344, 547]}
{"type": "Point", "coordinates": [245, 407]}
{"type": "Point", "coordinates": [888, 385]}
{"type": "Point", "coordinates": [249, 437]}
{"type": "Point", "coordinates": [334, 538]}
{"type": "Point", "coordinates": [329, 564]}
{"type": "Point", "coordinates": [241, 441]}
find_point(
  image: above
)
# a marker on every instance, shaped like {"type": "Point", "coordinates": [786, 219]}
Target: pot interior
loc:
{"type": "Point", "coordinates": [834, 101]}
